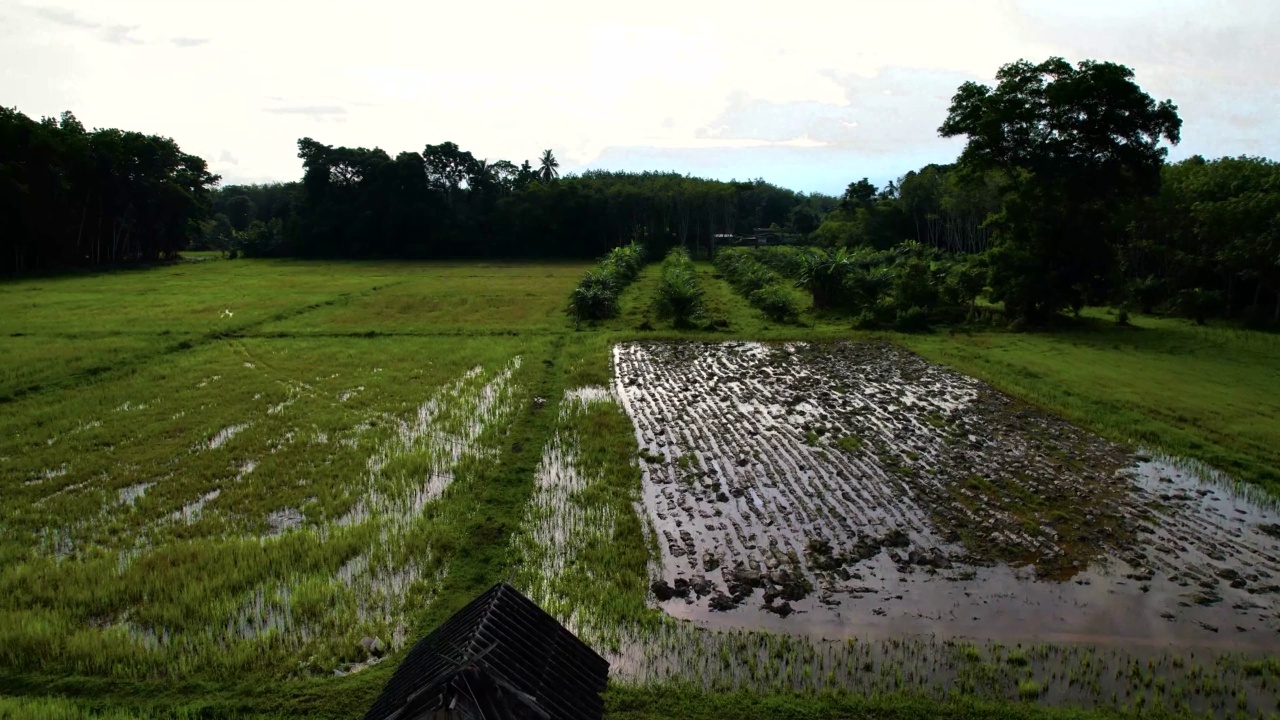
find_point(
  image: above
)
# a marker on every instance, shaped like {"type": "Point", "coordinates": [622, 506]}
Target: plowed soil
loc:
{"type": "Point", "coordinates": [856, 489]}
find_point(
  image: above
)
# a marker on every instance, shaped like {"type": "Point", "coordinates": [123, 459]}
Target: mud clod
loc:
{"type": "Point", "coordinates": [721, 602]}
{"type": "Point", "coordinates": [782, 609]}
{"type": "Point", "coordinates": [662, 590]}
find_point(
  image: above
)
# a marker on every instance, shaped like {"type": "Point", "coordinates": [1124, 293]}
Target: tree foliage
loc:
{"type": "Point", "coordinates": [596, 295]}
{"type": "Point", "coordinates": [75, 198]}
{"type": "Point", "coordinates": [1060, 198]}
{"type": "Point", "coordinates": [679, 295]}
{"type": "Point", "coordinates": [444, 202]}
{"type": "Point", "coordinates": [1073, 146]}
{"type": "Point", "coordinates": [1209, 243]}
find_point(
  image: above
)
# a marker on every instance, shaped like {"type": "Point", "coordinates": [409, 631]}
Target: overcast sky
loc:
{"type": "Point", "coordinates": [809, 95]}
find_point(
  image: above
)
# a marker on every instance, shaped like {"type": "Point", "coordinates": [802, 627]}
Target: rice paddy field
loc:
{"type": "Point", "coordinates": [243, 488]}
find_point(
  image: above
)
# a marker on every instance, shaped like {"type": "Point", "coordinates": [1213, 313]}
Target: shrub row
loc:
{"type": "Point", "coordinates": [679, 297]}
{"type": "Point", "coordinates": [761, 286]}
{"type": "Point", "coordinates": [907, 287]}
{"type": "Point", "coordinates": [596, 296]}
{"type": "Point", "coordinates": [786, 261]}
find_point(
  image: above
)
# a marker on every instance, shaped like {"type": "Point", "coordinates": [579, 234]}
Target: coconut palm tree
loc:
{"type": "Point", "coordinates": [549, 170]}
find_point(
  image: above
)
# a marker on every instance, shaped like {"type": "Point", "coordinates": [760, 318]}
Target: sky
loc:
{"type": "Point", "coordinates": [808, 95]}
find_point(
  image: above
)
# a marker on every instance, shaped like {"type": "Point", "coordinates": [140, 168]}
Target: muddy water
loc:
{"type": "Point", "coordinates": [857, 490]}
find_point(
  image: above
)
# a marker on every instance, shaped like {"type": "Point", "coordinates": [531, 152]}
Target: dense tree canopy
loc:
{"type": "Point", "coordinates": [444, 202]}
{"type": "Point", "coordinates": [70, 197]}
{"type": "Point", "coordinates": [1073, 146]}
{"type": "Point", "coordinates": [1209, 243]}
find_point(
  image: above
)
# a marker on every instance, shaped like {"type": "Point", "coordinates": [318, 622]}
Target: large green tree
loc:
{"type": "Point", "coordinates": [1072, 145]}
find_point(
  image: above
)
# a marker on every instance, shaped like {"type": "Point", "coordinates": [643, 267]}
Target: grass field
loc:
{"type": "Point", "coordinates": [220, 476]}
{"type": "Point", "coordinates": [1209, 393]}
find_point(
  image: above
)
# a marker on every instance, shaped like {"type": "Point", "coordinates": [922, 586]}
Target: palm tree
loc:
{"type": "Point", "coordinates": [548, 171]}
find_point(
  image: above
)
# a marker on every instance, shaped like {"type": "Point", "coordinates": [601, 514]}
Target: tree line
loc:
{"type": "Point", "coordinates": [444, 202]}
{"type": "Point", "coordinates": [74, 198]}
{"type": "Point", "coordinates": [1062, 197]}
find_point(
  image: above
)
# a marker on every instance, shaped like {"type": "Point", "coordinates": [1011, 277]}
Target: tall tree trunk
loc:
{"type": "Point", "coordinates": [80, 232]}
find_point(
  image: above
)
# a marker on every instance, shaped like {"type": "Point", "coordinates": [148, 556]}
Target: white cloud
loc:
{"type": "Point", "coordinates": [865, 82]}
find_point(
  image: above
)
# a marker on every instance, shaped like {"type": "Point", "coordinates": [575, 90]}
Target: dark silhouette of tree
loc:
{"type": "Point", "coordinates": [549, 169]}
{"type": "Point", "coordinates": [71, 197]}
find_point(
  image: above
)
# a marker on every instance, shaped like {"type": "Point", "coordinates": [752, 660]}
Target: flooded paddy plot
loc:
{"type": "Point", "coordinates": [858, 490]}
{"type": "Point", "coordinates": [269, 519]}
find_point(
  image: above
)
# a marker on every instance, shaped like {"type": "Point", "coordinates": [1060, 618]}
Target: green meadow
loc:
{"type": "Point", "coordinates": [219, 476]}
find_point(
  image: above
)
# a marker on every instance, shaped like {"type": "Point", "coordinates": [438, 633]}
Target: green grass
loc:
{"type": "Point", "coordinates": [129, 606]}
{"type": "Point", "coordinates": [1207, 393]}
{"type": "Point", "coordinates": [669, 702]}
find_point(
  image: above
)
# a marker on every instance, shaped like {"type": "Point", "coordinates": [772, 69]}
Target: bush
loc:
{"type": "Point", "coordinates": [782, 260]}
{"type": "Point", "coordinates": [776, 302]}
{"type": "Point", "coordinates": [1148, 293]}
{"type": "Point", "coordinates": [263, 239]}
{"type": "Point", "coordinates": [914, 319]}
{"type": "Point", "coordinates": [596, 296]}
{"type": "Point", "coordinates": [679, 297]}
{"type": "Point", "coordinates": [1198, 304]}
{"type": "Point", "coordinates": [908, 287]}
{"type": "Point", "coordinates": [625, 263]}
{"type": "Point", "coordinates": [761, 286]}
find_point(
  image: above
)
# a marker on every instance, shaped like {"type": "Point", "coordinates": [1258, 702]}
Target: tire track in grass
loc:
{"type": "Point", "coordinates": [132, 363]}
{"type": "Point", "coordinates": [497, 493]}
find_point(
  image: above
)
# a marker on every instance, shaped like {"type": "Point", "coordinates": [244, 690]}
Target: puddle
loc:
{"type": "Point", "coordinates": [247, 467]}
{"type": "Point", "coordinates": [295, 392]}
{"type": "Point", "coordinates": [283, 441]}
{"type": "Point", "coordinates": [561, 521]}
{"type": "Point", "coordinates": [383, 592]}
{"type": "Point", "coordinates": [56, 542]}
{"type": "Point", "coordinates": [284, 520]}
{"type": "Point", "coordinates": [267, 610]}
{"type": "Point", "coordinates": [225, 434]}
{"type": "Point", "coordinates": [133, 493]}
{"type": "Point", "coordinates": [857, 490]}
{"type": "Point", "coordinates": [48, 474]}
{"type": "Point", "coordinates": [416, 463]}
{"type": "Point", "coordinates": [589, 394]}
{"type": "Point", "coordinates": [190, 512]}
{"type": "Point", "coordinates": [1188, 684]}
